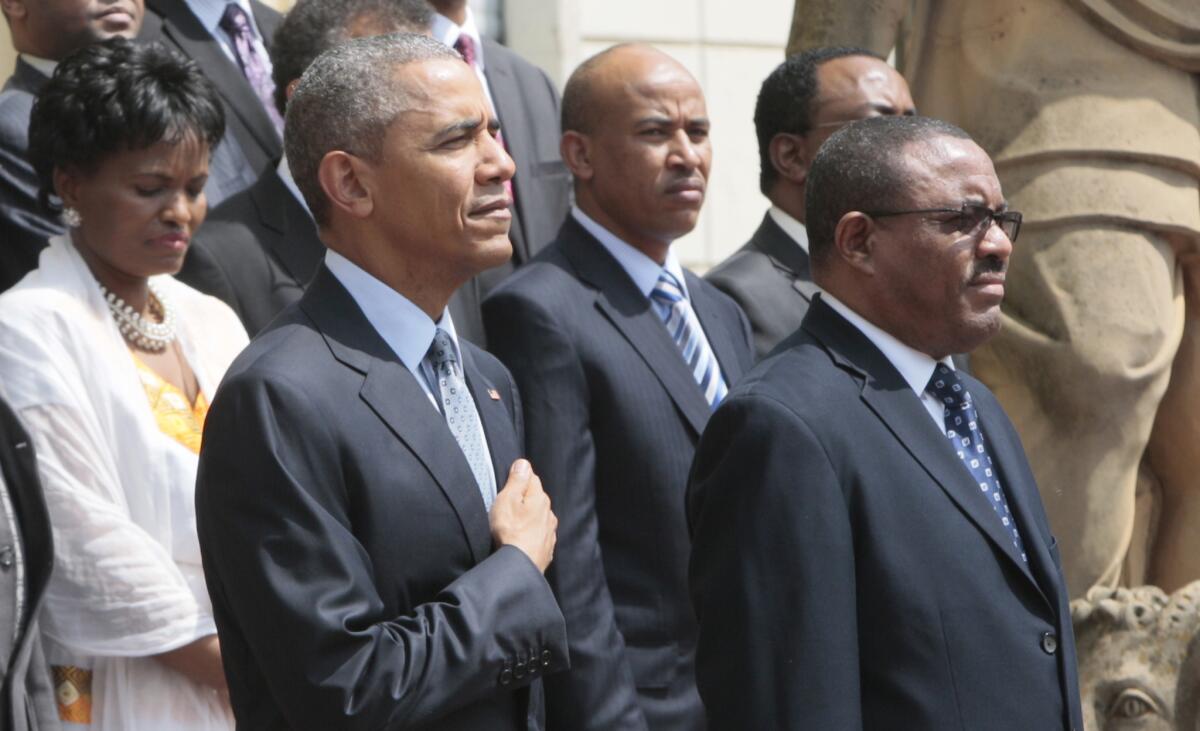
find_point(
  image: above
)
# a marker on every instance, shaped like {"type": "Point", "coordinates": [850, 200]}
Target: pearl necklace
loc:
{"type": "Point", "coordinates": [139, 331]}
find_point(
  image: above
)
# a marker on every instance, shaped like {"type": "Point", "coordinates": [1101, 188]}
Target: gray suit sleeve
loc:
{"type": "Point", "coordinates": [282, 561]}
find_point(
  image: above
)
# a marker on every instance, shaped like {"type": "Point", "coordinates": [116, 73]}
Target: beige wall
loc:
{"type": "Point", "coordinates": [730, 51]}
{"type": "Point", "coordinates": [7, 56]}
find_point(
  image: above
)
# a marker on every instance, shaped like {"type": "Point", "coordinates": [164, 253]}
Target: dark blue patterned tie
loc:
{"type": "Point", "coordinates": [965, 435]}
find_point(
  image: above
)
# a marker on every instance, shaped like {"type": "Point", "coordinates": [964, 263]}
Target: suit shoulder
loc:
{"type": "Point", "coordinates": [741, 268]}
{"type": "Point", "coordinates": [15, 106]}
{"type": "Point", "coordinates": [548, 274]}
{"type": "Point", "coordinates": [803, 375]}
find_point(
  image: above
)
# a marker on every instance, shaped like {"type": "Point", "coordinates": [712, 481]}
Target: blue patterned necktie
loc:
{"type": "Point", "coordinates": [461, 415]}
{"type": "Point", "coordinates": [677, 314]}
{"type": "Point", "coordinates": [962, 429]}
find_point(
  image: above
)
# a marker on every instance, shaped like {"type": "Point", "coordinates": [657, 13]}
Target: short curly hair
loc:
{"type": "Point", "coordinates": [115, 96]}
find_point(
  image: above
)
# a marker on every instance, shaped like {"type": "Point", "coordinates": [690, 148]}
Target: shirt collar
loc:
{"type": "Point", "coordinates": [209, 13]}
{"type": "Point", "coordinates": [447, 31]}
{"type": "Point", "coordinates": [406, 328]}
{"type": "Point", "coordinates": [41, 65]}
{"type": "Point", "coordinates": [643, 270]}
{"type": "Point", "coordinates": [797, 231]}
{"type": "Point", "coordinates": [915, 367]}
{"type": "Point", "coordinates": [289, 182]}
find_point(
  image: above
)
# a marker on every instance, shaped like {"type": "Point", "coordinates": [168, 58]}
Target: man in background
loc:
{"type": "Point", "coordinates": [230, 40]}
{"type": "Point", "coordinates": [620, 355]}
{"type": "Point", "coordinates": [43, 32]}
{"type": "Point", "coordinates": [805, 99]}
{"type": "Point", "coordinates": [526, 102]}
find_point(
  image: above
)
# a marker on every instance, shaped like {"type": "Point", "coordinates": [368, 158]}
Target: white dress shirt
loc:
{"type": "Point", "coordinates": [447, 31]}
{"type": "Point", "coordinates": [209, 13]}
{"type": "Point", "coordinates": [914, 366]}
{"type": "Point", "coordinates": [795, 230]}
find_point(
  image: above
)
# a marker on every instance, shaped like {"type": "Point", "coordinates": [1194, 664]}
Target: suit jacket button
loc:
{"type": "Point", "coordinates": [520, 669]}
{"type": "Point", "coordinates": [6, 557]}
{"type": "Point", "coordinates": [546, 656]}
{"type": "Point", "coordinates": [506, 676]}
{"type": "Point", "coordinates": [1049, 643]}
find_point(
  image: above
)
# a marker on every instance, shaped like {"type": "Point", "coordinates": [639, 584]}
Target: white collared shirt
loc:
{"type": "Point", "coordinates": [44, 66]}
{"type": "Point", "coordinates": [289, 182]}
{"type": "Point", "coordinates": [447, 31]}
{"type": "Point", "coordinates": [406, 329]}
{"type": "Point", "coordinates": [795, 230]}
{"type": "Point", "coordinates": [914, 366]}
{"type": "Point", "coordinates": [209, 13]}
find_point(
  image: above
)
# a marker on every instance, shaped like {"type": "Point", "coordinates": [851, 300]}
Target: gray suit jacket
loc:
{"type": "Point", "coordinates": [528, 107]}
{"type": "Point", "coordinates": [24, 225]}
{"type": "Point", "coordinates": [770, 278]}
{"type": "Point", "coordinates": [251, 142]}
{"type": "Point", "coordinates": [26, 694]}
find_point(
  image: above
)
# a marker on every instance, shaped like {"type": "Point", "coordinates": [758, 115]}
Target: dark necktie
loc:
{"type": "Point", "coordinates": [465, 45]}
{"type": "Point", "coordinates": [236, 24]}
{"type": "Point", "coordinates": [965, 435]}
{"type": "Point", "coordinates": [683, 325]}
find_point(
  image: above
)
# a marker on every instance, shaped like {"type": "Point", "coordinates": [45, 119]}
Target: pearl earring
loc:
{"type": "Point", "coordinates": [71, 217]}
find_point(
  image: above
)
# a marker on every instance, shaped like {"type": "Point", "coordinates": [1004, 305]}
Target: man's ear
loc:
{"type": "Point", "coordinates": [789, 157]}
{"type": "Point", "coordinates": [854, 241]}
{"type": "Point", "coordinates": [347, 182]}
{"type": "Point", "coordinates": [576, 151]}
{"type": "Point", "coordinates": [14, 8]}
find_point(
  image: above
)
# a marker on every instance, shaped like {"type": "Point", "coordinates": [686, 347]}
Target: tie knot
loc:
{"type": "Point", "coordinates": [442, 351]}
{"type": "Point", "coordinates": [668, 289]}
{"type": "Point", "coordinates": [948, 387]}
{"type": "Point", "coordinates": [235, 21]}
{"type": "Point", "coordinates": [465, 45]}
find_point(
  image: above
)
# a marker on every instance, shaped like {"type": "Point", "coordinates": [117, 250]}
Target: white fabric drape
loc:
{"type": "Point", "coordinates": [127, 579]}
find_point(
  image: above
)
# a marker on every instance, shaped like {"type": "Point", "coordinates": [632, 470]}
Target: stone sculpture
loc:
{"type": "Point", "coordinates": [1090, 109]}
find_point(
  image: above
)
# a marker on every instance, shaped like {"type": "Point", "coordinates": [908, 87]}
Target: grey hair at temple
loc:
{"type": "Point", "coordinates": [863, 167]}
{"type": "Point", "coordinates": [346, 101]}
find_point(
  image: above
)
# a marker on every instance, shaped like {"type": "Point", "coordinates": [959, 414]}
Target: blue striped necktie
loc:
{"type": "Point", "coordinates": [677, 314]}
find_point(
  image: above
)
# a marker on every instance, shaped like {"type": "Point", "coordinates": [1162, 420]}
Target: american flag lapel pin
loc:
{"type": "Point", "coordinates": [495, 395]}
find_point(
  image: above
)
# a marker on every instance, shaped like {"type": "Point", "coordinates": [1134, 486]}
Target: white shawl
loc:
{"type": "Point", "coordinates": [127, 579]}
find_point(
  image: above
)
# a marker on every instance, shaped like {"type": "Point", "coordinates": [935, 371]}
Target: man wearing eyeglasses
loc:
{"type": "Point", "coordinates": [804, 100]}
{"type": "Point", "coordinates": [869, 547]}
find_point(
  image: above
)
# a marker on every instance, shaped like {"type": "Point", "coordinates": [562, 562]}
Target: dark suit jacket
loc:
{"type": "Point", "coordinates": [527, 104]}
{"type": "Point", "coordinates": [771, 280]}
{"type": "Point", "coordinates": [613, 415]}
{"type": "Point", "coordinates": [24, 224]}
{"type": "Point", "coordinates": [27, 700]}
{"type": "Point", "coordinates": [251, 141]}
{"type": "Point", "coordinates": [346, 546]}
{"type": "Point", "coordinates": [258, 250]}
{"type": "Point", "coordinates": [847, 572]}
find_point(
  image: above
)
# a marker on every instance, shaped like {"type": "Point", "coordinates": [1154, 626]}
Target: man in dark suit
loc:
{"type": "Point", "coordinates": [870, 550]}
{"type": "Point", "coordinates": [369, 566]}
{"type": "Point", "coordinates": [526, 102]}
{"type": "Point", "coordinates": [26, 557]}
{"type": "Point", "coordinates": [230, 40]}
{"type": "Point", "coordinates": [802, 102]}
{"type": "Point", "coordinates": [259, 249]}
{"type": "Point", "coordinates": [43, 33]}
{"type": "Point", "coordinates": [616, 401]}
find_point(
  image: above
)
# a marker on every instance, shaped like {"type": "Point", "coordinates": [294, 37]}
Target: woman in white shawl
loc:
{"type": "Point", "coordinates": [110, 363]}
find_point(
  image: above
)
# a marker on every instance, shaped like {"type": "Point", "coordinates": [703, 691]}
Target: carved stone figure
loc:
{"type": "Point", "coordinates": [1090, 109]}
{"type": "Point", "coordinates": [1138, 660]}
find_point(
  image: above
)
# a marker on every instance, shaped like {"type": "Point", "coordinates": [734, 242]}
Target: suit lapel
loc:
{"type": "Point", "coordinates": [631, 314]}
{"type": "Point", "coordinates": [506, 96]}
{"type": "Point", "coordinates": [392, 392]}
{"type": "Point", "coordinates": [297, 247]}
{"type": "Point", "coordinates": [496, 418]}
{"type": "Point", "coordinates": [786, 255]}
{"type": "Point", "coordinates": [891, 399]}
{"type": "Point", "coordinates": [182, 27]}
{"type": "Point", "coordinates": [719, 332]}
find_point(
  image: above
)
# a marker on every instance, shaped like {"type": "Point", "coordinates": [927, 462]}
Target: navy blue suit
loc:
{"type": "Point", "coordinates": [848, 573]}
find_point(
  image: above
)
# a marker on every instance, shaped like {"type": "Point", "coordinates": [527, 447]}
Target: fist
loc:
{"type": "Point", "coordinates": [521, 516]}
